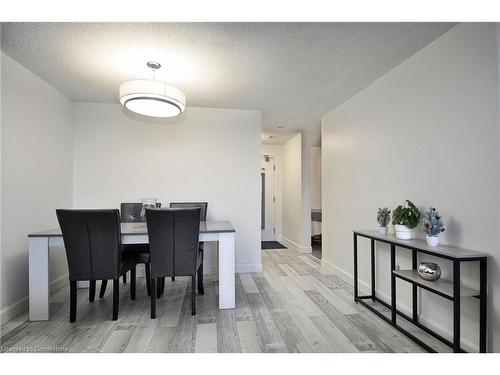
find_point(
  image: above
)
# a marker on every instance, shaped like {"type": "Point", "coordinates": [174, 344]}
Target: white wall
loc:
{"type": "Point", "coordinates": [37, 175]}
{"type": "Point", "coordinates": [205, 155]}
{"type": "Point", "coordinates": [428, 131]}
{"type": "Point", "coordinates": [295, 200]}
{"type": "Point", "coordinates": [292, 194]}
{"type": "Point", "coordinates": [307, 142]}
{"type": "Point", "coordinates": [316, 178]}
{"type": "Point", "coordinates": [294, 187]}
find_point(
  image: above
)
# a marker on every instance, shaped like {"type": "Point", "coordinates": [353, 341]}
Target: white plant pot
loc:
{"type": "Point", "coordinates": [403, 232]}
{"type": "Point", "coordinates": [432, 240]}
{"type": "Point", "coordinates": [383, 231]}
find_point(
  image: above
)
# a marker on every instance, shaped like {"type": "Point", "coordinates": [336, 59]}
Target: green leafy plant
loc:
{"type": "Point", "coordinates": [406, 214]}
{"type": "Point", "coordinates": [433, 224]}
{"type": "Point", "coordinates": [383, 216]}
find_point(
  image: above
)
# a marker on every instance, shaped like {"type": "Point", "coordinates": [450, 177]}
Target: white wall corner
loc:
{"type": "Point", "coordinates": [295, 246]}
{"type": "Point", "coordinates": [20, 306]}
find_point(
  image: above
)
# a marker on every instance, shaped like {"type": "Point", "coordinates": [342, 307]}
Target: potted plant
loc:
{"type": "Point", "coordinates": [383, 218]}
{"type": "Point", "coordinates": [433, 226]}
{"type": "Point", "coordinates": [405, 218]}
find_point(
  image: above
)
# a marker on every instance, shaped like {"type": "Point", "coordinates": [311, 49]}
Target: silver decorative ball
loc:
{"type": "Point", "coordinates": [429, 271]}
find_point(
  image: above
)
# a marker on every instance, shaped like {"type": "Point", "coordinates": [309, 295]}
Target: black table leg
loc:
{"type": "Point", "coordinates": [482, 305]}
{"type": "Point", "coordinates": [414, 288]}
{"type": "Point", "coordinates": [393, 284]}
{"type": "Point", "coordinates": [355, 243]}
{"type": "Point", "coordinates": [456, 306]}
{"type": "Point", "coordinates": [373, 268]}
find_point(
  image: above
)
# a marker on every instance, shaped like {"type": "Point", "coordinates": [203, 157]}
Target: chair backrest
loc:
{"type": "Point", "coordinates": [131, 212]}
{"type": "Point", "coordinates": [92, 239]}
{"type": "Point", "coordinates": [202, 205]}
{"type": "Point", "coordinates": [173, 240]}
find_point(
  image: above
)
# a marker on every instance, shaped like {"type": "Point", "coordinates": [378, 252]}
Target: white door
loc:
{"type": "Point", "coordinates": [268, 198]}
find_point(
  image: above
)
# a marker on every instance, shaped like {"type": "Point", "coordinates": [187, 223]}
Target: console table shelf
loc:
{"type": "Point", "coordinates": [441, 287]}
{"type": "Point", "coordinates": [450, 289]}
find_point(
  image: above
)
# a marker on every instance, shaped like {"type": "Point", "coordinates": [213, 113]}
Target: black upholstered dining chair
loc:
{"type": "Point", "coordinates": [92, 240]}
{"type": "Point", "coordinates": [174, 249]}
{"type": "Point", "coordinates": [203, 206]}
{"type": "Point", "coordinates": [131, 213]}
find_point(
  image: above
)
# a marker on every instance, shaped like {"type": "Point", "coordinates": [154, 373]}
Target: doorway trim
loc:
{"type": "Point", "coordinates": [276, 185]}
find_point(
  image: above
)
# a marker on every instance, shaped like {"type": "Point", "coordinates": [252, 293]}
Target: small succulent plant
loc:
{"type": "Point", "coordinates": [406, 214]}
{"type": "Point", "coordinates": [383, 216]}
{"type": "Point", "coordinates": [433, 224]}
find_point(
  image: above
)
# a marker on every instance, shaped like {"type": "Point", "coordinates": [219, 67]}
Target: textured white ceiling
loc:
{"type": "Point", "coordinates": [293, 72]}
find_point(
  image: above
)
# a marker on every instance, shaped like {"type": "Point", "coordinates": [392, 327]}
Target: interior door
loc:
{"type": "Point", "coordinates": [268, 198]}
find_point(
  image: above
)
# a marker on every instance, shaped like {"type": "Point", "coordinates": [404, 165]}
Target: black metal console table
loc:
{"type": "Point", "coordinates": [451, 290]}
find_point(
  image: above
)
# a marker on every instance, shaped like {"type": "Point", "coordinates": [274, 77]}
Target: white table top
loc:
{"type": "Point", "coordinates": [138, 229]}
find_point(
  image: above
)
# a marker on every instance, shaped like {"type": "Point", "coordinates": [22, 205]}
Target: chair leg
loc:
{"type": "Point", "coordinates": [173, 278]}
{"type": "Point", "coordinates": [193, 295]}
{"type": "Point", "coordinates": [116, 297]}
{"type": "Point", "coordinates": [153, 298]}
{"type": "Point", "coordinates": [125, 278]}
{"type": "Point", "coordinates": [162, 285]}
{"type": "Point", "coordinates": [201, 290]}
{"type": "Point", "coordinates": [158, 287]}
{"type": "Point", "coordinates": [72, 301]}
{"type": "Point", "coordinates": [132, 283]}
{"type": "Point", "coordinates": [148, 278]}
{"type": "Point", "coordinates": [92, 291]}
{"type": "Point", "coordinates": [104, 283]}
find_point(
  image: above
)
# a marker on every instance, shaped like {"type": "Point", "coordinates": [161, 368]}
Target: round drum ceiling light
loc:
{"type": "Point", "coordinates": [152, 98]}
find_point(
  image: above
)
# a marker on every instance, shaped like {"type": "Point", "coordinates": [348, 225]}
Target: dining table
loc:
{"type": "Point", "coordinates": [41, 243]}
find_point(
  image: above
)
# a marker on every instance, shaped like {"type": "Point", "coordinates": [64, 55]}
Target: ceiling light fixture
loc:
{"type": "Point", "coordinates": [152, 98]}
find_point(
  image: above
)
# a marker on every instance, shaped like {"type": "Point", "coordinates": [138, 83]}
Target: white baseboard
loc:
{"type": "Point", "coordinates": [20, 306]}
{"type": "Point", "coordinates": [248, 267]}
{"type": "Point", "coordinates": [10, 312]}
{"type": "Point", "coordinates": [344, 275]}
{"type": "Point", "coordinates": [365, 288]}
{"type": "Point", "coordinates": [291, 244]}
{"type": "Point", "coordinates": [59, 283]}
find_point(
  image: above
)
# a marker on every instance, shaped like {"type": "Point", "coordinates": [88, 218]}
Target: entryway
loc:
{"type": "Point", "coordinates": [268, 198]}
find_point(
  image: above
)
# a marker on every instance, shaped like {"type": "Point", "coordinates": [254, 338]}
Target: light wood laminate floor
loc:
{"type": "Point", "coordinates": [292, 306]}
